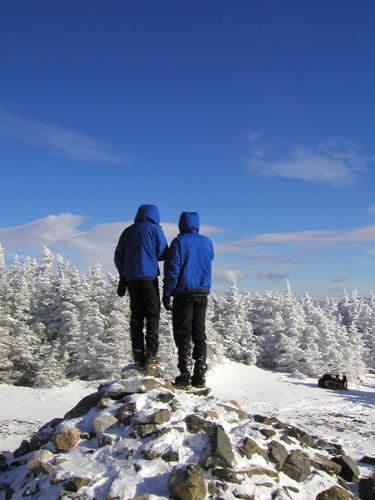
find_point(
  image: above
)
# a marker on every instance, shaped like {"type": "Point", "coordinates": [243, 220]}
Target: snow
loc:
{"type": "Point", "coordinates": [344, 417]}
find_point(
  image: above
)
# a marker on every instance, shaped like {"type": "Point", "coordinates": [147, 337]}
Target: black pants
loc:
{"type": "Point", "coordinates": [189, 326]}
{"type": "Point", "coordinates": [144, 305]}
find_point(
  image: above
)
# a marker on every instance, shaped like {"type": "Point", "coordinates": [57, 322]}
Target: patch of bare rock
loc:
{"type": "Point", "coordinates": [139, 438]}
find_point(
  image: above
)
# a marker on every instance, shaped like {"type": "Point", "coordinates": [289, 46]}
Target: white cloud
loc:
{"type": "Point", "coordinates": [47, 231]}
{"type": "Point", "coordinates": [59, 140]}
{"type": "Point", "coordinates": [335, 163]}
{"type": "Point", "coordinates": [372, 209]}
{"type": "Point", "coordinates": [268, 276]}
{"type": "Point", "coordinates": [226, 276]}
{"type": "Point", "coordinates": [63, 232]}
{"type": "Point", "coordinates": [305, 238]}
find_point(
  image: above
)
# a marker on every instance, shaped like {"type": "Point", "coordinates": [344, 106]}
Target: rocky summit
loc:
{"type": "Point", "coordinates": [140, 438]}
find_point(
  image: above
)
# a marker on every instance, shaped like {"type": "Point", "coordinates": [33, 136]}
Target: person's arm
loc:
{"type": "Point", "coordinates": [161, 244]}
{"type": "Point", "coordinates": [119, 255]}
{"type": "Point", "coordinates": [172, 268]}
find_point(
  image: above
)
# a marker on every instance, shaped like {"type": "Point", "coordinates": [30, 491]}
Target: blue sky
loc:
{"type": "Point", "coordinates": [257, 114]}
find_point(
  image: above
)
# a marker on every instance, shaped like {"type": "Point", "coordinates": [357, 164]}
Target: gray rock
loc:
{"type": "Point", "coordinates": [265, 420]}
{"type": "Point", "coordinates": [195, 424]}
{"type": "Point", "coordinates": [66, 438]}
{"type": "Point", "coordinates": [105, 440]}
{"type": "Point", "coordinates": [349, 470]}
{"type": "Point", "coordinates": [85, 405]}
{"type": "Point", "coordinates": [335, 493]}
{"type": "Point", "coordinates": [301, 436]}
{"type": "Point", "coordinates": [221, 454]}
{"type": "Point", "coordinates": [3, 462]}
{"type": "Point", "coordinates": [76, 483]}
{"type": "Point", "coordinates": [261, 471]}
{"type": "Point", "coordinates": [249, 447]}
{"type": "Point", "coordinates": [24, 448]}
{"type": "Point", "coordinates": [145, 430]}
{"type": "Point", "coordinates": [366, 488]}
{"type": "Point", "coordinates": [170, 456]}
{"type": "Point", "coordinates": [187, 482]}
{"type": "Point", "coordinates": [267, 433]}
{"type": "Point", "coordinates": [105, 403]}
{"type": "Point", "coordinates": [115, 391]}
{"type": "Point", "coordinates": [103, 422]}
{"type": "Point", "coordinates": [39, 462]}
{"type": "Point", "coordinates": [368, 460]}
{"type": "Point", "coordinates": [277, 453]}
{"type": "Point", "coordinates": [165, 397]}
{"type": "Point", "coordinates": [297, 466]}
{"type": "Point", "coordinates": [226, 474]}
{"type": "Point", "coordinates": [160, 416]}
{"type": "Point", "coordinates": [326, 464]}
{"type": "Point", "coordinates": [216, 489]}
{"type": "Point", "coordinates": [233, 409]}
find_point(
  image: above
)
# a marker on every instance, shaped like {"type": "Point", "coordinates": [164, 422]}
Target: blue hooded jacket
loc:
{"type": "Point", "coordinates": [141, 245]}
{"type": "Point", "coordinates": [187, 268]}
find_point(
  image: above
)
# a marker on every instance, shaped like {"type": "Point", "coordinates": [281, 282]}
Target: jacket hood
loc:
{"type": "Point", "coordinates": [189, 222]}
{"type": "Point", "coordinates": [148, 213]}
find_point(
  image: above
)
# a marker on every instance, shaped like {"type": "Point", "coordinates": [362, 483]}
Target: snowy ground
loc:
{"type": "Point", "coordinates": [345, 417]}
{"type": "Point", "coordinates": [23, 410]}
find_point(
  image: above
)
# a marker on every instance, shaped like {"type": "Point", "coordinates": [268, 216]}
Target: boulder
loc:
{"type": "Point", "coordinates": [170, 455]}
{"type": "Point", "coordinates": [221, 453]}
{"type": "Point", "coordinates": [3, 462]}
{"type": "Point", "coordinates": [267, 433]}
{"type": "Point", "coordinates": [297, 466]}
{"type": "Point", "coordinates": [103, 422]}
{"type": "Point", "coordinates": [145, 430]}
{"type": "Point", "coordinates": [76, 483]}
{"type": "Point", "coordinates": [233, 409]}
{"type": "Point", "coordinates": [105, 440]}
{"type": "Point", "coordinates": [277, 453]}
{"type": "Point", "coordinates": [226, 474]}
{"type": "Point", "coordinates": [368, 460]}
{"type": "Point", "coordinates": [66, 438]}
{"type": "Point", "coordinates": [187, 482]}
{"type": "Point", "coordinates": [334, 493]}
{"type": "Point", "coordinates": [301, 436]}
{"type": "Point", "coordinates": [265, 420]}
{"type": "Point", "coordinates": [366, 488]}
{"type": "Point", "coordinates": [195, 424]}
{"type": "Point", "coordinates": [105, 403]}
{"type": "Point", "coordinates": [165, 397]}
{"type": "Point", "coordinates": [39, 462]}
{"type": "Point", "coordinates": [249, 447]}
{"type": "Point", "coordinates": [261, 471]}
{"type": "Point", "coordinates": [349, 470]}
{"type": "Point", "coordinates": [326, 464]}
{"type": "Point", "coordinates": [160, 416]}
{"type": "Point", "coordinates": [85, 405]}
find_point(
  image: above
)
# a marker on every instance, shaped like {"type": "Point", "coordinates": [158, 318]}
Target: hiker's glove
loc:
{"type": "Point", "coordinates": [121, 287]}
{"type": "Point", "coordinates": [167, 303]}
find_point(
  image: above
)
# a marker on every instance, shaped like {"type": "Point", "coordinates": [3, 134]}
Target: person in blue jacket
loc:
{"type": "Point", "coordinates": [138, 251]}
{"type": "Point", "coordinates": [187, 277]}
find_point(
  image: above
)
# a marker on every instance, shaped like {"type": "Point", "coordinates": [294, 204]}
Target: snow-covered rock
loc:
{"type": "Point", "coordinates": [153, 439]}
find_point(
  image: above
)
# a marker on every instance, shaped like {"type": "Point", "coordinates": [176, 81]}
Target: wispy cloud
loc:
{"type": "Point", "coordinates": [274, 260]}
{"type": "Point", "coordinates": [269, 276]}
{"type": "Point", "coordinates": [59, 140]}
{"type": "Point", "coordinates": [336, 163]}
{"type": "Point", "coordinates": [372, 209]}
{"type": "Point", "coordinates": [312, 239]}
{"type": "Point", "coordinates": [339, 279]}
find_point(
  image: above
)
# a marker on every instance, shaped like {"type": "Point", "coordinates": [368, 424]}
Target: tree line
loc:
{"type": "Point", "coordinates": [57, 324]}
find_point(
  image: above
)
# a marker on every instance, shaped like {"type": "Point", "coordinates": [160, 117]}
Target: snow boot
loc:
{"type": "Point", "coordinates": [183, 381]}
{"type": "Point", "coordinates": [139, 359]}
{"type": "Point", "coordinates": [199, 375]}
{"type": "Point", "coordinates": [151, 362]}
